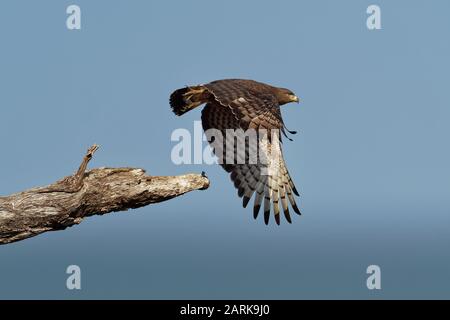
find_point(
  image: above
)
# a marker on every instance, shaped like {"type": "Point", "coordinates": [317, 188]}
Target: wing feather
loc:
{"type": "Point", "coordinates": [240, 107]}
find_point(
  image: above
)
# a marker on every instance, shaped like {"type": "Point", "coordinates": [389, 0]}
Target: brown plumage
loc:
{"type": "Point", "coordinates": [247, 104]}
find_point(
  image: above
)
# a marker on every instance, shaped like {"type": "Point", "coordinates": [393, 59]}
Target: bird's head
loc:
{"type": "Point", "coordinates": [285, 96]}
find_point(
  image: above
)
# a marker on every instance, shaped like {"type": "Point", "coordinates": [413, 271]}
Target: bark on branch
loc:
{"type": "Point", "coordinates": [86, 193]}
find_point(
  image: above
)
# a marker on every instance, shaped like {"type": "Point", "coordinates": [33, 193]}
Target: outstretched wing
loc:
{"type": "Point", "coordinates": [267, 177]}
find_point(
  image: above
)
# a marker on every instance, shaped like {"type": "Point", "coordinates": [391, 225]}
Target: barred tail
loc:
{"type": "Point", "coordinates": [186, 99]}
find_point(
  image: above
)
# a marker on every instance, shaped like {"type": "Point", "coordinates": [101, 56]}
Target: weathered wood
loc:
{"type": "Point", "coordinates": [86, 193]}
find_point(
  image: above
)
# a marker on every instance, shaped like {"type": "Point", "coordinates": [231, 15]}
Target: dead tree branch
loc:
{"type": "Point", "coordinates": [86, 193]}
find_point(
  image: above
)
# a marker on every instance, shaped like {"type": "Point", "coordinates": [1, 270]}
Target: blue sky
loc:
{"type": "Point", "coordinates": [371, 159]}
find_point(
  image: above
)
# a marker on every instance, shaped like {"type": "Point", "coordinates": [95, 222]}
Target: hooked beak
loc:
{"type": "Point", "coordinates": [294, 98]}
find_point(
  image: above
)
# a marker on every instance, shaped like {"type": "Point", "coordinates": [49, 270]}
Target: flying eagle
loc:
{"type": "Point", "coordinates": [247, 104]}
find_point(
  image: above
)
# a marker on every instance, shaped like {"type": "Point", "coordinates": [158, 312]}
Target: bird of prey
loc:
{"type": "Point", "coordinates": [247, 104]}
